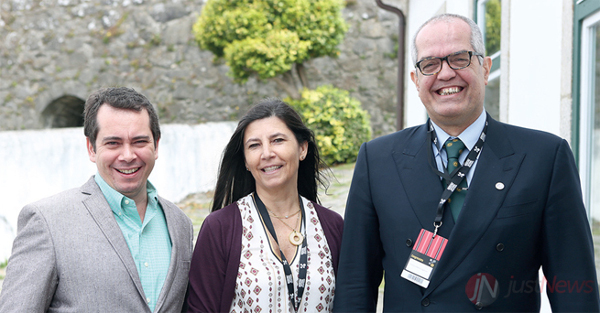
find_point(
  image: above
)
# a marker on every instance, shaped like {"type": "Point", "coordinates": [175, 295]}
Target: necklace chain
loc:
{"type": "Point", "coordinates": [280, 218]}
{"type": "Point", "coordinates": [296, 238]}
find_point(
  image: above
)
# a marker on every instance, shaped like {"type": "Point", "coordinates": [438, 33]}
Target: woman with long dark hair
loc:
{"type": "Point", "coordinates": [268, 244]}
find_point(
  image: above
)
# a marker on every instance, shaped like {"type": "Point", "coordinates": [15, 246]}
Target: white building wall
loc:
{"type": "Point", "coordinates": [535, 58]}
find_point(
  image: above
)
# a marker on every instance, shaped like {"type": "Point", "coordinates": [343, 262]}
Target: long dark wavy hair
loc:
{"type": "Point", "coordinates": [235, 182]}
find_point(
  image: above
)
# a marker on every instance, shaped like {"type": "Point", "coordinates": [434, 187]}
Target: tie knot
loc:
{"type": "Point", "coordinates": [454, 147]}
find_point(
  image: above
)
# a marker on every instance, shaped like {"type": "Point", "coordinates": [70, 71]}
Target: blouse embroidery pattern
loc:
{"type": "Point", "coordinates": [260, 284]}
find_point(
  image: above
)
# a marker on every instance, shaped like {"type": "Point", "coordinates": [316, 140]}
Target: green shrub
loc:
{"type": "Point", "coordinates": [274, 33]}
{"type": "Point", "coordinates": [338, 120]}
{"type": "Point", "coordinates": [267, 57]}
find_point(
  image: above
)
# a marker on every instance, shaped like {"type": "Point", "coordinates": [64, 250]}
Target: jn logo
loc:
{"type": "Point", "coordinates": [482, 289]}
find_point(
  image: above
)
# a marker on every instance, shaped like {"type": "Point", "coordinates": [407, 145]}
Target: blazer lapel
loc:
{"type": "Point", "coordinates": [495, 172]}
{"type": "Point", "coordinates": [103, 216]}
{"type": "Point", "coordinates": [175, 252]}
{"type": "Point", "coordinates": [423, 187]}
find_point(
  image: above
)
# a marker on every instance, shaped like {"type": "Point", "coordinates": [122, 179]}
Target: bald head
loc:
{"type": "Point", "coordinates": [476, 36]}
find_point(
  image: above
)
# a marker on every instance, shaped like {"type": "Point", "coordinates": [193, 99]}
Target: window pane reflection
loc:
{"type": "Point", "coordinates": [493, 22]}
{"type": "Point", "coordinates": [492, 98]}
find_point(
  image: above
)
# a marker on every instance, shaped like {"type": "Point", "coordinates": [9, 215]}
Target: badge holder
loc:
{"type": "Point", "coordinates": [425, 255]}
{"type": "Point", "coordinates": [429, 246]}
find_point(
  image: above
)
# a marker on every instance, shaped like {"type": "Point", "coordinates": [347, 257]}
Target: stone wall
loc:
{"type": "Point", "coordinates": [53, 53]}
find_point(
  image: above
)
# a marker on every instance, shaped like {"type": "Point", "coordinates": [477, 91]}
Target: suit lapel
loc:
{"type": "Point", "coordinates": [173, 233]}
{"type": "Point", "coordinates": [423, 187]}
{"type": "Point", "coordinates": [498, 163]}
{"type": "Point", "coordinates": [103, 216]}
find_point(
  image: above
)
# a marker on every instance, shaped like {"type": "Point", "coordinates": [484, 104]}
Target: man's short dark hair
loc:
{"type": "Point", "coordinates": [120, 98]}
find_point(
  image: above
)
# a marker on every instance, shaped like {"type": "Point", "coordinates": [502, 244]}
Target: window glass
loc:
{"type": "Point", "coordinates": [489, 19]}
{"type": "Point", "coordinates": [493, 23]}
{"type": "Point", "coordinates": [492, 98]}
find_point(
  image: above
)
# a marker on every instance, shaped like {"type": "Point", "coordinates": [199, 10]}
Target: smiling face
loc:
{"type": "Point", "coordinates": [272, 154]}
{"type": "Point", "coordinates": [125, 150]}
{"type": "Point", "coordinates": [453, 98]}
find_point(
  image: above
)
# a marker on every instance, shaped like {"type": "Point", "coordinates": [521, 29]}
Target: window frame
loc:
{"type": "Point", "coordinates": [495, 71]}
{"type": "Point", "coordinates": [585, 15]}
{"type": "Point", "coordinates": [582, 10]}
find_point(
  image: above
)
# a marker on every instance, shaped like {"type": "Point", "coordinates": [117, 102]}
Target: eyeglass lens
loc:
{"type": "Point", "coordinates": [456, 61]}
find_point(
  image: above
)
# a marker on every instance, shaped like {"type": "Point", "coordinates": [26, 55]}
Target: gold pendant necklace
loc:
{"type": "Point", "coordinates": [295, 237]}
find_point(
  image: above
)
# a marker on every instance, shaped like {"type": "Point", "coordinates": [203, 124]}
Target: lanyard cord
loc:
{"type": "Point", "coordinates": [457, 176]}
{"type": "Point", "coordinates": [262, 209]}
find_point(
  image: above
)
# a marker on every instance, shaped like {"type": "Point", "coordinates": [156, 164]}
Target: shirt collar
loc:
{"type": "Point", "coordinates": [469, 136]}
{"type": "Point", "coordinates": [118, 201]}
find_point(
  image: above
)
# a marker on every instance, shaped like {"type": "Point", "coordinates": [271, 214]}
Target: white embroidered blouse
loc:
{"type": "Point", "coordinates": [260, 285]}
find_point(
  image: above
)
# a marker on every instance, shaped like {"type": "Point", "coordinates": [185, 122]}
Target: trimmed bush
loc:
{"type": "Point", "coordinates": [267, 37]}
{"type": "Point", "coordinates": [338, 120]}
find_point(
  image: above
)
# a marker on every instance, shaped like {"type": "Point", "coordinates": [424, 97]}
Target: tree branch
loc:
{"type": "Point", "coordinates": [302, 74]}
{"type": "Point", "coordinates": [290, 88]}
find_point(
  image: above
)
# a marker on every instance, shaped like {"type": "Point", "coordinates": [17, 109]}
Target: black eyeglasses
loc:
{"type": "Point", "coordinates": [456, 61]}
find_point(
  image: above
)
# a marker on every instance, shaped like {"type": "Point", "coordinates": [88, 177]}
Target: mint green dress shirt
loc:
{"type": "Point", "coordinates": [149, 242]}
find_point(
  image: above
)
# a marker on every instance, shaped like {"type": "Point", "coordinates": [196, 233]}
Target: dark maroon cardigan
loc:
{"type": "Point", "coordinates": [216, 258]}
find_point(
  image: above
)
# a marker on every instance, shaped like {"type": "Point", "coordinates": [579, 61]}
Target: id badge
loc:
{"type": "Point", "coordinates": [425, 255]}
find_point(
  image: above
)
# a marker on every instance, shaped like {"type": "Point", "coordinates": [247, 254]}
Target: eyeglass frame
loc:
{"type": "Point", "coordinates": [471, 54]}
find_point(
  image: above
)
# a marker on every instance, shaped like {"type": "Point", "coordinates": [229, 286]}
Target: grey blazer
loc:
{"type": "Point", "coordinates": [70, 256]}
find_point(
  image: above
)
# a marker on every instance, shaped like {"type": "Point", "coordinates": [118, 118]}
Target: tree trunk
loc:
{"type": "Point", "coordinates": [302, 74]}
{"type": "Point", "coordinates": [287, 84]}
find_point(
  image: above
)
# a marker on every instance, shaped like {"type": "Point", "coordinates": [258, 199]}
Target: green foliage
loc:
{"type": "Point", "coordinates": [339, 122]}
{"type": "Point", "coordinates": [275, 33]}
{"type": "Point", "coordinates": [267, 57]}
{"type": "Point", "coordinates": [493, 23]}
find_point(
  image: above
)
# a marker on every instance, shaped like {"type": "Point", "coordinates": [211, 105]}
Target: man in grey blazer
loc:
{"type": "Point", "coordinates": [112, 245]}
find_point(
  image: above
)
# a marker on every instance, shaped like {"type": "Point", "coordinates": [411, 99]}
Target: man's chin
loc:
{"type": "Point", "coordinates": [130, 191]}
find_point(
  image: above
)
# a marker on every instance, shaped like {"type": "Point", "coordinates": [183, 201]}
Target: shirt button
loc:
{"type": "Point", "coordinates": [146, 264]}
{"type": "Point", "coordinates": [148, 300]}
{"type": "Point", "coordinates": [126, 201]}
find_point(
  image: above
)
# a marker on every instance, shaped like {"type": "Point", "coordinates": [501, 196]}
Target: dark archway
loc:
{"type": "Point", "coordinates": [66, 111]}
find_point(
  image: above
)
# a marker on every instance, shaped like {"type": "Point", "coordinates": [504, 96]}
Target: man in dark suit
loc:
{"type": "Point", "coordinates": [113, 244]}
{"type": "Point", "coordinates": [464, 231]}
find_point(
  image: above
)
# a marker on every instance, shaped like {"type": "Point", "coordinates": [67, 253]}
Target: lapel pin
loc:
{"type": "Point", "coordinates": [499, 186]}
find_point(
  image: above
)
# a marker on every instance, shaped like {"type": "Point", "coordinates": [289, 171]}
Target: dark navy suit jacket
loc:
{"type": "Point", "coordinates": [505, 234]}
